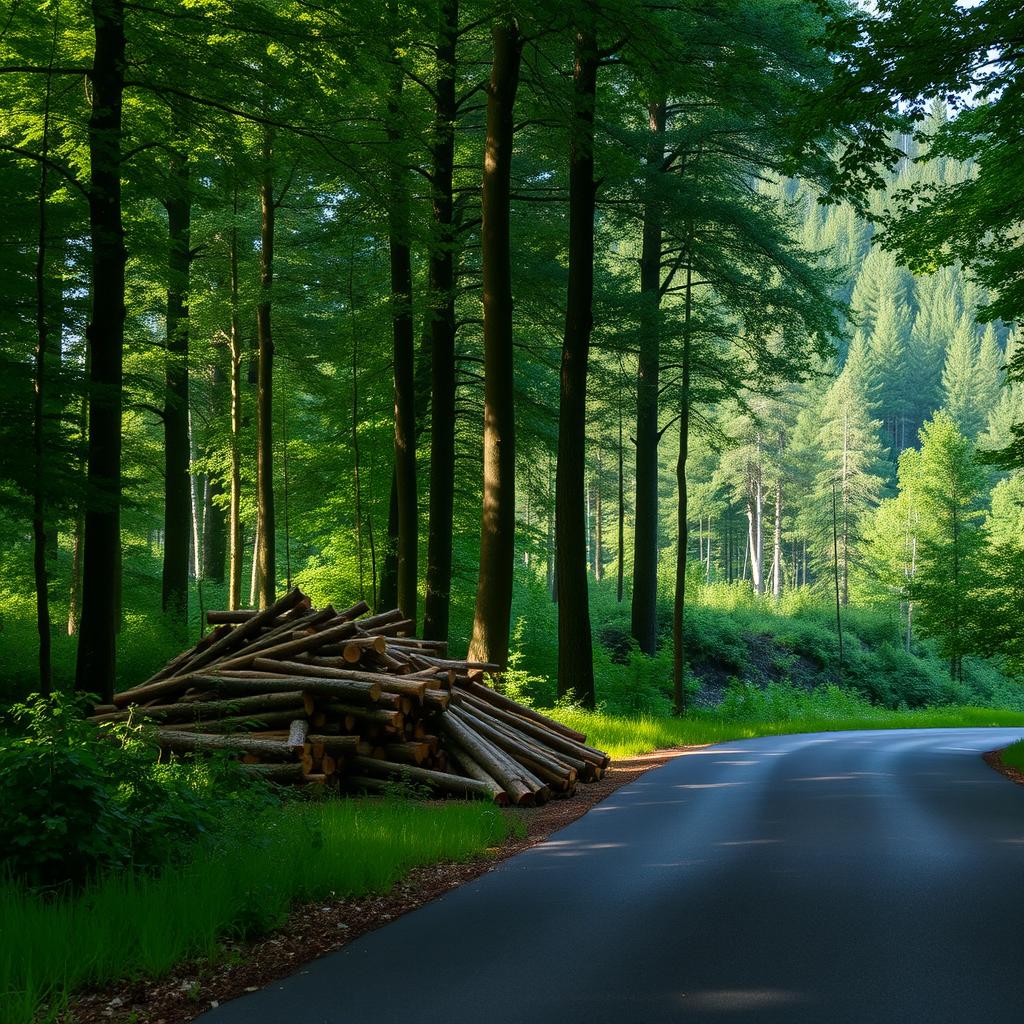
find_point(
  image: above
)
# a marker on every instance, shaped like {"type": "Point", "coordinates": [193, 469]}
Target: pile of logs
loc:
{"type": "Point", "coordinates": [351, 700]}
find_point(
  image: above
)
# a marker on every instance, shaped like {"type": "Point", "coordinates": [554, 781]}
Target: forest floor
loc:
{"type": "Point", "coordinates": [316, 928]}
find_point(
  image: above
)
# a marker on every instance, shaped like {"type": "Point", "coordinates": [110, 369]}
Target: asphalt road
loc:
{"type": "Point", "coordinates": [866, 877]}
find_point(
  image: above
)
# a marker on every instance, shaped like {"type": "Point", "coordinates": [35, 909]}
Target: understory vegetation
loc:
{"type": "Point", "coordinates": [1013, 755]}
{"type": "Point", "coordinates": [237, 883]}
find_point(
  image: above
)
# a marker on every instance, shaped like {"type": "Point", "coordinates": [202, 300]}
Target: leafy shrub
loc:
{"type": "Point", "coordinates": [78, 800]}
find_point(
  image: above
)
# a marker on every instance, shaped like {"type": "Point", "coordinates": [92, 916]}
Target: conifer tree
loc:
{"type": "Point", "coordinates": [961, 398]}
{"type": "Point", "coordinates": [947, 485]}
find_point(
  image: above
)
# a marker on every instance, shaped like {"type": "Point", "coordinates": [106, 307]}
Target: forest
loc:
{"type": "Point", "coordinates": [541, 325]}
{"type": "Point", "coordinates": [661, 360]}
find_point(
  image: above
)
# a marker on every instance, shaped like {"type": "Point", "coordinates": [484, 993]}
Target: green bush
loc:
{"type": "Point", "coordinates": [78, 800]}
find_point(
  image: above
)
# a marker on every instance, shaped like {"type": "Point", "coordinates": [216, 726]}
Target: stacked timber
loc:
{"type": "Point", "coordinates": [350, 700]}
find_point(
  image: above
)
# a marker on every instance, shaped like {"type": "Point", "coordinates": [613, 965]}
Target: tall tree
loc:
{"type": "Point", "coordinates": [441, 274]}
{"type": "Point", "coordinates": [101, 570]}
{"type": "Point", "coordinates": [575, 648]}
{"type": "Point", "coordinates": [177, 474]}
{"type": "Point", "coordinates": [645, 534]}
{"type": "Point", "coordinates": [497, 532]}
{"type": "Point", "coordinates": [266, 549]}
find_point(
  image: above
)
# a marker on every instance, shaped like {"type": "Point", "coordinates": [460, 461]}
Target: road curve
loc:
{"type": "Point", "coordinates": [831, 878]}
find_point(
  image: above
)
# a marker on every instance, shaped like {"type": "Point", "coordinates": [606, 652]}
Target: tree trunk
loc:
{"type": "Point", "coordinates": [777, 546]}
{"type": "Point", "coordinates": [389, 571]}
{"type": "Point", "coordinates": [622, 521]}
{"type": "Point", "coordinates": [266, 553]}
{"type": "Point", "coordinates": [441, 277]}
{"type": "Point", "coordinates": [598, 554]}
{"type": "Point", "coordinates": [645, 516]}
{"type": "Point", "coordinates": [97, 655]}
{"type": "Point", "coordinates": [404, 356]}
{"type": "Point", "coordinates": [498, 521]}
{"type": "Point", "coordinates": [679, 605]}
{"type": "Point", "coordinates": [214, 532]}
{"type": "Point", "coordinates": [575, 649]}
{"type": "Point", "coordinates": [356, 464]}
{"type": "Point", "coordinates": [235, 550]}
{"type": "Point", "coordinates": [40, 402]}
{"type": "Point", "coordinates": [177, 478]}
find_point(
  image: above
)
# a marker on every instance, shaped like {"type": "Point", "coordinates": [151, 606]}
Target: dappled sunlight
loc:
{"type": "Point", "coordinates": [709, 785]}
{"type": "Point", "coordinates": [732, 1000]}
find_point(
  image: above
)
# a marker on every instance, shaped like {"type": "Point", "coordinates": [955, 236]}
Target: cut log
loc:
{"type": "Point", "coordinates": [351, 691]}
{"type": "Point", "coordinates": [216, 618]}
{"type": "Point", "coordinates": [485, 693]}
{"type": "Point", "coordinates": [297, 733]}
{"type": "Point", "coordinates": [439, 781]}
{"type": "Point", "coordinates": [334, 744]}
{"type": "Point", "coordinates": [275, 772]}
{"type": "Point", "coordinates": [184, 710]}
{"type": "Point", "coordinates": [507, 776]}
{"type": "Point", "coordinates": [187, 742]}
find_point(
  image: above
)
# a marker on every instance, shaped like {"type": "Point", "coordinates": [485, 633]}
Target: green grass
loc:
{"type": "Point", "coordinates": [130, 926]}
{"type": "Point", "coordinates": [1013, 755]}
{"type": "Point", "coordinates": [828, 710]}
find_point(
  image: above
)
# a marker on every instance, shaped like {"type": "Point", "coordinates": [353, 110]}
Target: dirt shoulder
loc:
{"type": "Point", "coordinates": [994, 760]}
{"type": "Point", "coordinates": [328, 925]}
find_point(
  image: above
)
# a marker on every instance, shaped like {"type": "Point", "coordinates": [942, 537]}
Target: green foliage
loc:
{"type": "Point", "coordinates": [80, 800]}
{"type": "Point", "coordinates": [131, 925]}
{"type": "Point", "coordinates": [777, 710]}
{"type": "Point", "coordinates": [1013, 755]}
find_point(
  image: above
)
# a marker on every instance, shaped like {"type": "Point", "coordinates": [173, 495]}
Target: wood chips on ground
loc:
{"type": "Point", "coordinates": [326, 925]}
{"type": "Point", "coordinates": [994, 759]}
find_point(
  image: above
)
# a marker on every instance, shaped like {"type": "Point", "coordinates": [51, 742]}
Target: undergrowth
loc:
{"type": "Point", "coordinates": [130, 925]}
{"type": "Point", "coordinates": [1013, 755]}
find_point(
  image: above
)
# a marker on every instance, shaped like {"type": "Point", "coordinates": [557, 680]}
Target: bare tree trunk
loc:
{"type": "Point", "coordinates": [356, 467]}
{"type": "Point", "coordinates": [622, 521]}
{"type": "Point", "coordinates": [40, 401]}
{"type": "Point", "coordinates": [404, 356]}
{"type": "Point", "coordinates": [679, 604]}
{"type": "Point", "coordinates": [644, 622]}
{"type": "Point", "coordinates": [179, 500]}
{"type": "Point", "coordinates": [441, 274]}
{"type": "Point", "coordinates": [95, 670]}
{"type": "Point", "coordinates": [598, 554]}
{"type": "Point", "coordinates": [266, 531]}
{"type": "Point", "coordinates": [575, 648]}
{"type": "Point", "coordinates": [235, 551]}
{"type": "Point", "coordinates": [75, 586]}
{"type": "Point", "coordinates": [777, 548]}
{"type": "Point", "coordinates": [498, 522]}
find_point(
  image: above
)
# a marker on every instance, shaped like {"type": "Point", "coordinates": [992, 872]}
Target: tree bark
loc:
{"type": "Point", "coordinates": [679, 605]}
{"type": "Point", "coordinates": [645, 518]}
{"type": "Point", "coordinates": [235, 550]}
{"type": "Point", "coordinates": [389, 570]}
{"type": "Point", "coordinates": [622, 521]}
{"type": "Point", "coordinates": [498, 522]}
{"type": "Point", "coordinates": [598, 554]}
{"type": "Point", "coordinates": [404, 355]}
{"type": "Point", "coordinates": [575, 649]}
{"type": "Point", "coordinates": [266, 550]}
{"type": "Point", "coordinates": [177, 478]}
{"type": "Point", "coordinates": [40, 402]}
{"type": "Point", "coordinates": [96, 664]}
{"type": "Point", "coordinates": [441, 276]}
{"type": "Point", "coordinates": [777, 547]}
{"type": "Point", "coordinates": [214, 532]}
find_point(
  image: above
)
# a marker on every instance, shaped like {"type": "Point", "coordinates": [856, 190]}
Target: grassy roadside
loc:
{"type": "Point", "coordinates": [127, 926]}
{"type": "Point", "coordinates": [771, 712]}
{"type": "Point", "coordinates": [1013, 755]}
